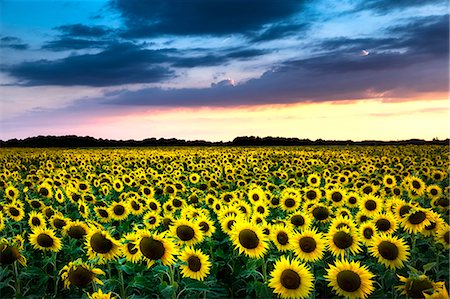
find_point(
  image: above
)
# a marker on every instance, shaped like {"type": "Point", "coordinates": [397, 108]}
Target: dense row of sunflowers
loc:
{"type": "Point", "coordinates": [227, 222]}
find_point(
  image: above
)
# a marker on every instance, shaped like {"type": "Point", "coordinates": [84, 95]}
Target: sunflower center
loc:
{"type": "Point", "coordinates": [152, 220]}
{"type": "Point", "coordinates": [44, 240]}
{"type": "Point", "coordinates": [433, 192]}
{"type": "Point", "coordinates": [388, 250]}
{"type": "Point", "coordinates": [59, 223]}
{"type": "Point", "coordinates": [132, 248]}
{"type": "Point", "coordinates": [8, 254]}
{"type": "Point", "coordinates": [417, 217]}
{"type": "Point", "coordinates": [255, 197]}
{"type": "Point", "coordinates": [320, 213]}
{"type": "Point", "coordinates": [290, 279]}
{"type": "Point", "coordinates": [151, 248]}
{"type": "Point", "coordinates": [431, 226]}
{"type": "Point", "coordinates": [342, 240]}
{"type": "Point", "coordinates": [313, 180]}
{"type": "Point", "coordinates": [443, 202]}
{"type": "Point", "coordinates": [35, 221]}
{"type": "Point", "coordinates": [289, 202]}
{"type": "Point", "coordinates": [383, 225]}
{"type": "Point", "coordinates": [76, 232]}
{"type": "Point", "coordinates": [447, 237]}
{"type": "Point", "coordinates": [248, 239]}
{"type": "Point", "coordinates": [103, 213]}
{"type": "Point", "coordinates": [119, 210]}
{"type": "Point", "coordinates": [389, 181]}
{"type": "Point", "coordinates": [153, 206]}
{"type": "Point", "coordinates": [352, 200]}
{"type": "Point", "coordinates": [135, 206]}
{"type": "Point", "coordinates": [185, 232]}
{"type": "Point", "coordinates": [416, 185]}
{"type": "Point", "coordinates": [298, 220]}
{"type": "Point", "coordinates": [204, 227]}
{"type": "Point", "coordinates": [194, 263]}
{"type": "Point", "coordinates": [415, 288]}
{"type": "Point", "coordinates": [169, 189]}
{"type": "Point", "coordinates": [367, 189]}
{"type": "Point", "coordinates": [311, 195]}
{"type": "Point", "coordinates": [231, 223]}
{"type": "Point", "coordinates": [348, 281]}
{"type": "Point", "coordinates": [43, 191]}
{"type": "Point", "coordinates": [341, 225]}
{"type": "Point", "coordinates": [370, 205]}
{"type": "Point", "coordinates": [100, 243]}
{"type": "Point", "coordinates": [368, 233]}
{"type": "Point", "coordinates": [177, 203]}
{"type": "Point", "coordinates": [336, 197]}
{"type": "Point", "coordinates": [307, 244]}
{"type": "Point", "coordinates": [260, 210]}
{"type": "Point", "coordinates": [35, 204]}
{"type": "Point", "coordinates": [15, 212]}
{"type": "Point", "coordinates": [282, 238]}
{"type": "Point", "coordinates": [404, 210]}
{"type": "Point", "coordinates": [80, 276]}
{"type": "Point", "coordinates": [275, 201]}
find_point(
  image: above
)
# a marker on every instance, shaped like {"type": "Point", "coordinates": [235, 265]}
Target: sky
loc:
{"type": "Point", "coordinates": [218, 69]}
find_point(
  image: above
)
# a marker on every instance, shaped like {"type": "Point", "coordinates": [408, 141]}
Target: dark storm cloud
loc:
{"type": "Point", "coordinates": [81, 30]}
{"type": "Point", "coordinates": [201, 17]}
{"type": "Point", "coordinates": [121, 63]}
{"type": "Point", "coordinates": [339, 74]}
{"type": "Point", "coordinates": [13, 43]}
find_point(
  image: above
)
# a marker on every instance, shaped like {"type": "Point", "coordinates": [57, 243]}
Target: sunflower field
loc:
{"type": "Point", "coordinates": [225, 222]}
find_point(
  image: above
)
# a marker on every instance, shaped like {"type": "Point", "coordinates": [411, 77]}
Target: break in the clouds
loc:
{"type": "Point", "coordinates": [222, 53]}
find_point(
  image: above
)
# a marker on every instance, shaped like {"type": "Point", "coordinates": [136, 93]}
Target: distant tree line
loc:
{"type": "Point", "coordinates": [72, 141]}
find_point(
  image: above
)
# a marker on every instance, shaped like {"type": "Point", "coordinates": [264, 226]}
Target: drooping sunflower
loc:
{"type": "Point", "coordinates": [385, 223]}
{"type": "Point", "coordinates": [414, 286]}
{"type": "Point", "coordinates": [80, 274]}
{"type": "Point", "coordinates": [10, 252]}
{"type": "Point", "coordinates": [281, 236]}
{"type": "Point", "coordinates": [154, 247]}
{"type": "Point", "coordinates": [291, 279]}
{"type": "Point", "coordinates": [416, 220]}
{"type": "Point", "coordinates": [350, 279]}
{"type": "Point", "coordinates": [249, 239]}
{"type": "Point", "coordinates": [391, 251]}
{"type": "Point", "coordinates": [45, 239]}
{"type": "Point", "coordinates": [309, 245]}
{"type": "Point", "coordinates": [36, 220]}
{"type": "Point", "coordinates": [186, 232]}
{"type": "Point", "coordinates": [197, 264]}
{"type": "Point", "coordinates": [100, 295]}
{"type": "Point", "coordinates": [341, 240]}
{"type": "Point", "coordinates": [100, 244]}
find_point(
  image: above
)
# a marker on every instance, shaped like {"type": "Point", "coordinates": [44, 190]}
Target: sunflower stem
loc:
{"type": "Point", "coordinates": [16, 280]}
{"type": "Point", "coordinates": [172, 280]}
{"type": "Point", "coordinates": [123, 294]}
{"type": "Point", "coordinates": [55, 273]}
{"type": "Point", "coordinates": [109, 270]}
{"type": "Point", "coordinates": [264, 269]}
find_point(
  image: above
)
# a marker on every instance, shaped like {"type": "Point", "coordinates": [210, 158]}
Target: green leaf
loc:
{"type": "Point", "coordinates": [428, 267]}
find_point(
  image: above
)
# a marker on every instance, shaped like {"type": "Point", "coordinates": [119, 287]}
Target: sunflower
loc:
{"type": "Point", "coordinates": [197, 264]}
{"type": "Point", "coordinates": [309, 245]}
{"type": "Point", "coordinates": [100, 244]}
{"type": "Point", "coordinates": [261, 209]}
{"type": "Point", "coordinates": [2, 221]}
{"type": "Point", "coordinates": [249, 239]}
{"type": "Point", "coordinates": [416, 220]}
{"type": "Point", "coordinates": [10, 252]}
{"type": "Point", "coordinates": [14, 210]}
{"type": "Point", "coordinates": [367, 231]}
{"type": "Point", "coordinates": [100, 295]}
{"type": "Point", "coordinates": [312, 194]}
{"type": "Point", "coordinates": [352, 200]}
{"type": "Point", "coordinates": [36, 220]}
{"type": "Point", "coordinates": [416, 185]}
{"type": "Point", "coordinates": [35, 204]}
{"type": "Point", "coordinates": [83, 209]}
{"type": "Point", "coordinates": [227, 223]}
{"type": "Point", "coordinates": [136, 207]}
{"type": "Point", "coordinates": [59, 196]}
{"type": "Point", "coordinates": [391, 251]}
{"type": "Point", "coordinates": [256, 195]}
{"type": "Point", "coordinates": [385, 223]}
{"type": "Point", "coordinates": [291, 279]}
{"type": "Point", "coordinates": [76, 229]}
{"type": "Point", "coordinates": [45, 190]}
{"type": "Point", "coordinates": [414, 286]}
{"type": "Point", "coordinates": [389, 181]}
{"type": "Point", "coordinates": [336, 196]}
{"type": "Point", "coordinates": [341, 240]}
{"type": "Point", "coordinates": [434, 191]}
{"type": "Point", "coordinates": [300, 221]}
{"type": "Point", "coordinates": [119, 210]}
{"type": "Point", "coordinates": [320, 212]}
{"type": "Point", "coordinates": [194, 178]}
{"type": "Point", "coordinates": [117, 185]}
{"type": "Point", "coordinates": [439, 292]}
{"type": "Point", "coordinates": [58, 221]}
{"type": "Point", "coordinates": [443, 236]}
{"type": "Point", "coordinates": [313, 180]}
{"type": "Point", "coordinates": [103, 214]}
{"type": "Point", "coordinates": [186, 232]}
{"type": "Point", "coordinates": [79, 274]}
{"type": "Point", "coordinates": [350, 279]}
{"type": "Point", "coordinates": [371, 204]}
{"type": "Point", "coordinates": [290, 201]}
{"type": "Point", "coordinates": [44, 239]}
{"type": "Point", "coordinates": [12, 193]}
{"type": "Point", "coordinates": [147, 191]}
{"type": "Point", "coordinates": [153, 205]}
{"type": "Point", "coordinates": [281, 236]}
{"type": "Point", "coordinates": [154, 247]}
{"type": "Point", "coordinates": [130, 249]}
{"type": "Point", "coordinates": [436, 222]}
{"type": "Point", "coordinates": [340, 222]}
{"type": "Point", "coordinates": [206, 225]}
